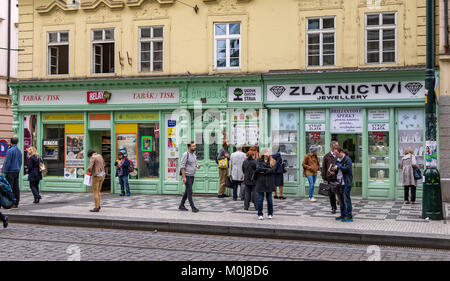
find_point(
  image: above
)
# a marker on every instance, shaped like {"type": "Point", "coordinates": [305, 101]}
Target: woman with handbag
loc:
{"type": "Point", "coordinates": [249, 168]}
{"type": "Point", "coordinates": [265, 184]}
{"type": "Point", "coordinates": [34, 173]}
{"type": "Point", "coordinates": [409, 164]}
{"type": "Point", "coordinates": [222, 160]}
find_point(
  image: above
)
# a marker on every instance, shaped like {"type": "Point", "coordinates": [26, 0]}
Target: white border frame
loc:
{"type": "Point", "coordinates": [320, 31]}
{"type": "Point", "coordinates": [379, 28]}
{"type": "Point", "coordinates": [227, 37]}
{"type": "Point", "coordinates": [150, 40]}
{"type": "Point", "coordinates": [94, 42]}
{"type": "Point", "coordinates": [58, 43]}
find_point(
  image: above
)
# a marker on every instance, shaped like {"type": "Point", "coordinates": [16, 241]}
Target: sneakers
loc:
{"type": "Point", "coordinates": [312, 199]}
{"type": "Point", "coordinates": [407, 202]}
{"type": "Point", "coordinates": [221, 196]}
{"type": "Point", "coordinates": [122, 194]}
{"type": "Point", "coordinates": [347, 220]}
{"type": "Point", "coordinates": [5, 222]}
{"type": "Point", "coordinates": [128, 194]}
{"type": "Point", "coordinates": [270, 217]}
{"type": "Point", "coordinates": [95, 210]}
{"type": "Point", "coordinates": [194, 210]}
{"type": "Point", "coordinates": [339, 218]}
{"type": "Point", "coordinates": [260, 218]}
{"type": "Point", "coordinates": [333, 211]}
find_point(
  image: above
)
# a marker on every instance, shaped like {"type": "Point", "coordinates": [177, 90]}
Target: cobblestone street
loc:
{"type": "Point", "coordinates": [41, 243]}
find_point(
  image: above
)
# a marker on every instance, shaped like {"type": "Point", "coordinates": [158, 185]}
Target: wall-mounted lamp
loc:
{"type": "Point", "coordinates": [196, 8]}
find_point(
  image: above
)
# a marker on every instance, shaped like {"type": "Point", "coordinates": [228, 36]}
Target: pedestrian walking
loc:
{"type": "Point", "coordinates": [265, 184]}
{"type": "Point", "coordinates": [34, 172]}
{"type": "Point", "coordinates": [249, 168]}
{"type": "Point", "coordinates": [237, 175]}
{"type": "Point", "coordinates": [11, 168]}
{"type": "Point", "coordinates": [409, 162]}
{"type": "Point", "coordinates": [311, 166]}
{"type": "Point", "coordinates": [343, 168]}
{"type": "Point", "coordinates": [188, 167]}
{"type": "Point", "coordinates": [122, 171]}
{"type": "Point", "coordinates": [97, 170]}
{"type": "Point", "coordinates": [278, 176]}
{"type": "Point", "coordinates": [222, 160]}
{"type": "Point", "coordinates": [328, 175]}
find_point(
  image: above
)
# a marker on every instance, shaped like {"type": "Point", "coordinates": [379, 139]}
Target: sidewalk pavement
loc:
{"type": "Point", "coordinates": [376, 222]}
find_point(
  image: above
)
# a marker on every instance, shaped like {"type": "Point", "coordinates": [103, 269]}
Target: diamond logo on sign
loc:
{"type": "Point", "coordinates": [278, 90]}
{"type": "Point", "coordinates": [414, 87]}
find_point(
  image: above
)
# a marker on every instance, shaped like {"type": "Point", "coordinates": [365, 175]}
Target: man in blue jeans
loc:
{"type": "Point", "coordinates": [11, 168]}
{"type": "Point", "coordinates": [343, 167]}
{"type": "Point", "coordinates": [122, 166]}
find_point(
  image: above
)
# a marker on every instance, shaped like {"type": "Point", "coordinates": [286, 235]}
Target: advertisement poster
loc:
{"type": "Point", "coordinates": [70, 173]}
{"type": "Point", "coordinates": [147, 143]}
{"type": "Point", "coordinates": [172, 148]}
{"type": "Point", "coordinates": [128, 143]}
{"type": "Point", "coordinates": [346, 120]}
{"type": "Point", "coordinates": [74, 151]}
{"type": "Point", "coordinates": [431, 154]}
{"type": "Point", "coordinates": [172, 165]}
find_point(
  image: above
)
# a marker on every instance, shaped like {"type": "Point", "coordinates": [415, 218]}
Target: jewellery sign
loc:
{"type": "Point", "coordinates": [346, 120]}
{"type": "Point", "coordinates": [346, 91]}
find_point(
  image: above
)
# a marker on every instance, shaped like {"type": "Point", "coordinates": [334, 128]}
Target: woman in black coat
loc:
{"type": "Point", "coordinates": [265, 183]}
{"type": "Point", "coordinates": [34, 174]}
{"type": "Point", "coordinates": [249, 169]}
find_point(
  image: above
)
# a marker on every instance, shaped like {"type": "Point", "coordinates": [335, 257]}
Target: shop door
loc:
{"type": "Point", "coordinates": [100, 141]}
{"type": "Point", "coordinates": [207, 177]}
{"type": "Point", "coordinates": [353, 143]}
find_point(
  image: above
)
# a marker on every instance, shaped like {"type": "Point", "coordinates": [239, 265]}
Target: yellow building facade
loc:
{"type": "Point", "coordinates": [281, 73]}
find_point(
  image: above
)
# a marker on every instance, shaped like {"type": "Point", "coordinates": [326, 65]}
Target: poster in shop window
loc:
{"type": "Point", "coordinates": [346, 120]}
{"type": "Point", "coordinates": [128, 143]}
{"type": "Point", "coordinates": [74, 152]}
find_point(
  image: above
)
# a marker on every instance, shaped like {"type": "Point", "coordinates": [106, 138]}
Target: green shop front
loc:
{"type": "Point", "coordinates": [375, 115]}
{"type": "Point", "coordinates": [152, 119]}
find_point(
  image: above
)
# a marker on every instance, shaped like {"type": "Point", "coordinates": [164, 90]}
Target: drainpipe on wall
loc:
{"type": "Point", "coordinates": [8, 63]}
{"type": "Point", "coordinates": [446, 46]}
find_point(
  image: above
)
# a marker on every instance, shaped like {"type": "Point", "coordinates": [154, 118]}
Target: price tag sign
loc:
{"type": "Point", "coordinates": [378, 127]}
{"type": "Point", "coordinates": [315, 128]}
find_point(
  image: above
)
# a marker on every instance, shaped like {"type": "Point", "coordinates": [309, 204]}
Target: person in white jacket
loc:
{"type": "Point", "coordinates": [237, 175]}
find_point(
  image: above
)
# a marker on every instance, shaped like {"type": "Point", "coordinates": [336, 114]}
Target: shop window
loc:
{"type": "Point", "coordinates": [381, 37]}
{"type": "Point", "coordinates": [245, 128]}
{"type": "Point", "coordinates": [285, 141]}
{"type": "Point", "coordinates": [58, 53]}
{"type": "Point", "coordinates": [53, 149]}
{"type": "Point", "coordinates": [103, 51]}
{"type": "Point", "coordinates": [151, 49]}
{"type": "Point", "coordinates": [148, 151]}
{"type": "Point", "coordinates": [410, 135]}
{"type": "Point", "coordinates": [378, 156]}
{"type": "Point", "coordinates": [227, 42]}
{"type": "Point", "coordinates": [30, 137]}
{"type": "Point", "coordinates": [321, 39]}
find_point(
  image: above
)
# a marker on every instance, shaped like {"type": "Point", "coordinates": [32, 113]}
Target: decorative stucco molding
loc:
{"type": "Point", "coordinates": [138, 3]}
{"type": "Point", "coordinates": [112, 4]}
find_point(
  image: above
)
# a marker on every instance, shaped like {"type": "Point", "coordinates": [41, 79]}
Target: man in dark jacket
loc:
{"type": "Point", "coordinates": [123, 165]}
{"type": "Point", "coordinates": [330, 176]}
{"type": "Point", "coordinates": [265, 184]}
{"type": "Point", "coordinates": [11, 168]}
{"type": "Point", "coordinates": [249, 168]}
{"type": "Point", "coordinates": [343, 169]}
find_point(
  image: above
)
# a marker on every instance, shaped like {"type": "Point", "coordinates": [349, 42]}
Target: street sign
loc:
{"type": "Point", "coordinates": [3, 148]}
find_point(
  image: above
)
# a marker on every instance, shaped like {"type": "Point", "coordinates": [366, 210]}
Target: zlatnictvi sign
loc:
{"type": "Point", "coordinates": [346, 91]}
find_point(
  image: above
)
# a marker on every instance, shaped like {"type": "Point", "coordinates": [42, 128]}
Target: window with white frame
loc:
{"type": "Point", "coordinates": [103, 51]}
{"type": "Point", "coordinates": [381, 38]}
{"type": "Point", "coordinates": [151, 49]}
{"type": "Point", "coordinates": [227, 45]}
{"type": "Point", "coordinates": [58, 53]}
{"type": "Point", "coordinates": [321, 40]}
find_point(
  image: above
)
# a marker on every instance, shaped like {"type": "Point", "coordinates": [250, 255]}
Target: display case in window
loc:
{"type": "Point", "coordinates": [379, 157]}
{"type": "Point", "coordinates": [285, 140]}
{"type": "Point", "coordinates": [410, 135]}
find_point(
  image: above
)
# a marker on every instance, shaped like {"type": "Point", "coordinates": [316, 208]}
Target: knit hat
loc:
{"type": "Point", "coordinates": [313, 148]}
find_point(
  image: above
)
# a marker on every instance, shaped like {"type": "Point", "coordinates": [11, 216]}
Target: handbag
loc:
{"type": "Point", "coordinates": [335, 188]}
{"type": "Point", "coordinates": [229, 182]}
{"type": "Point", "coordinates": [42, 167]}
{"type": "Point", "coordinates": [223, 163]}
{"type": "Point", "coordinates": [417, 173]}
{"type": "Point", "coordinates": [325, 189]}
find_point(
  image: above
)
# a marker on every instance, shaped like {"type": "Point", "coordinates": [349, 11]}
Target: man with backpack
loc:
{"type": "Point", "coordinates": [188, 167]}
{"type": "Point", "coordinates": [123, 169]}
{"type": "Point", "coordinates": [11, 168]}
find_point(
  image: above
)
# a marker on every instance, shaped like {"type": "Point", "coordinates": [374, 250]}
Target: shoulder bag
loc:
{"type": "Point", "coordinates": [417, 173]}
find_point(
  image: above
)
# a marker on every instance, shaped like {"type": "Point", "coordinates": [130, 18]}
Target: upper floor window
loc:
{"type": "Point", "coordinates": [58, 52]}
{"type": "Point", "coordinates": [381, 37]}
{"type": "Point", "coordinates": [321, 40]}
{"type": "Point", "coordinates": [151, 49]}
{"type": "Point", "coordinates": [103, 51]}
{"type": "Point", "coordinates": [227, 45]}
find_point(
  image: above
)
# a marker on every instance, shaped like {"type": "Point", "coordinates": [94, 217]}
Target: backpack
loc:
{"type": "Point", "coordinates": [131, 167]}
{"type": "Point", "coordinates": [7, 199]}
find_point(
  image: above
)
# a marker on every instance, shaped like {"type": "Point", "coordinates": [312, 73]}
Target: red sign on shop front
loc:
{"type": "Point", "coordinates": [98, 96]}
